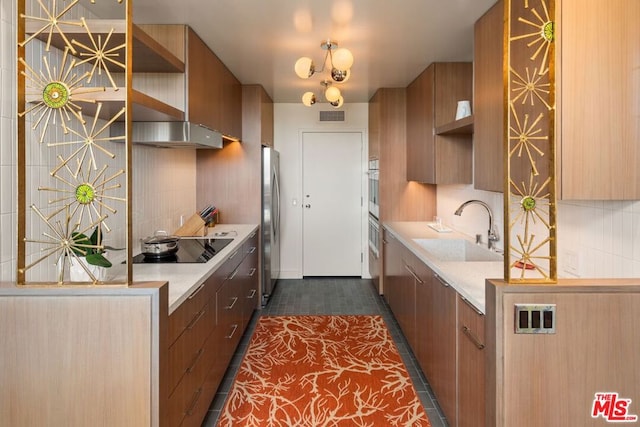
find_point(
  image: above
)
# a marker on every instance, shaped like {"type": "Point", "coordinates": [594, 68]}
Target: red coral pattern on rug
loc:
{"type": "Point", "coordinates": [322, 371]}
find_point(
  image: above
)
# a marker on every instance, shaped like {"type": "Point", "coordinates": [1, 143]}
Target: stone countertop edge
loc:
{"type": "Point", "coordinates": [185, 278]}
{"type": "Point", "coordinates": [467, 278]}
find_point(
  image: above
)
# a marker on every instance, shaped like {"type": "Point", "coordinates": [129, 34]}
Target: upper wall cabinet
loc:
{"type": "Point", "coordinates": [438, 149]}
{"type": "Point", "coordinates": [598, 99]}
{"type": "Point", "coordinates": [214, 94]}
{"type": "Point", "coordinates": [257, 115]}
{"type": "Point", "coordinates": [488, 101]}
{"type": "Point", "coordinates": [597, 93]}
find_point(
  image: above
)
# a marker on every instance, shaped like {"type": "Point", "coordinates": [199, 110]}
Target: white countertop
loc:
{"type": "Point", "coordinates": [185, 278]}
{"type": "Point", "coordinates": [467, 278]}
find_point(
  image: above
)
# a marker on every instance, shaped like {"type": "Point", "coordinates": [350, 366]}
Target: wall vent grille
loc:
{"type": "Point", "coordinates": [332, 116]}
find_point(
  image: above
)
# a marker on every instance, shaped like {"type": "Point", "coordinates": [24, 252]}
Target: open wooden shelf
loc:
{"type": "Point", "coordinates": [149, 55]}
{"type": "Point", "coordinates": [463, 126]}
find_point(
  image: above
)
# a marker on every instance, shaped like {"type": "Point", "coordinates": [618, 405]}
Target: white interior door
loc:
{"type": "Point", "coordinates": [332, 203]}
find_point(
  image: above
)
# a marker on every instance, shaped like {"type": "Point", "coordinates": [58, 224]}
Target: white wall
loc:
{"type": "Point", "coordinates": [290, 121]}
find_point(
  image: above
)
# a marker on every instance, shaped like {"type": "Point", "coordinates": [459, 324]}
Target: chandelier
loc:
{"type": "Point", "coordinates": [340, 62]}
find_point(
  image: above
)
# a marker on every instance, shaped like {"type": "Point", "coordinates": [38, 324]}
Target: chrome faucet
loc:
{"type": "Point", "coordinates": [492, 234]}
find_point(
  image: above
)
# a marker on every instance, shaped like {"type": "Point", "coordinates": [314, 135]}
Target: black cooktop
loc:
{"type": "Point", "coordinates": [189, 251]}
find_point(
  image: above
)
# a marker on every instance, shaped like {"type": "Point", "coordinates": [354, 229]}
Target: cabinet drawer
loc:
{"type": "Point", "coordinates": [191, 395]}
{"type": "Point", "coordinates": [232, 262]}
{"type": "Point", "coordinates": [188, 348]}
{"type": "Point", "coordinates": [229, 313]}
{"type": "Point", "coordinates": [188, 310]}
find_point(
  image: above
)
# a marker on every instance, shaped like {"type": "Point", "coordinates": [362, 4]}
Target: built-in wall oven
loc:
{"type": "Point", "coordinates": [374, 188]}
{"type": "Point", "coordinates": [374, 215]}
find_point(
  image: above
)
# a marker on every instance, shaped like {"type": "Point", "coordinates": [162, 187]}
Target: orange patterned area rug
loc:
{"type": "Point", "coordinates": [322, 371]}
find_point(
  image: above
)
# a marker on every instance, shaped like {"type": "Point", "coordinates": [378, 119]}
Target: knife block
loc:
{"type": "Point", "coordinates": [193, 227]}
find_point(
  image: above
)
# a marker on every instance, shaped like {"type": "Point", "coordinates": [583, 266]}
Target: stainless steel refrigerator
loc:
{"type": "Point", "coordinates": [270, 221]}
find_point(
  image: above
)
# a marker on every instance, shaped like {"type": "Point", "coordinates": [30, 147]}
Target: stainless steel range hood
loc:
{"type": "Point", "coordinates": [171, 134]}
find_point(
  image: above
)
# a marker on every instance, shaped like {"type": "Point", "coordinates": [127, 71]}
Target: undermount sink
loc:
{"type": "Point", "coordinates": [457, 250]}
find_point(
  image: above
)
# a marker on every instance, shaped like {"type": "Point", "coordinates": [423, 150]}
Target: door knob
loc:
{"type": "Point", "coordinates": [307, 206]}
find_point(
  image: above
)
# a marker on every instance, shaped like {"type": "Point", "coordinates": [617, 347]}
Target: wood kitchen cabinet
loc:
{"type": "Point", "coordinates": [206, 330]}
{"type": "Point", "coordinates": [488, 101]}
{"type": "Point", "coordinates": [471, 365]}
{"type": "Point", "coordinates": [257, 115]}
{"type": "Point", "coordinates": [432, 156]}
{"type": "Point", "coordinates": [214, 95]}
{"type": "Point", "coordinates": [441, 371]}
{"type": "Point", "coordinates": [597, 83]}
{"type": "Point", "coordinates": [399, 200]}
{"type": "Point", "coordinates": [445, 333]}
{"type": "Point", "coordinates": [597, 122]}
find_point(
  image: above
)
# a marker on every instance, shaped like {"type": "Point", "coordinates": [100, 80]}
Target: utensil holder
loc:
{"type": "Point", "coordinates": [193, 227]}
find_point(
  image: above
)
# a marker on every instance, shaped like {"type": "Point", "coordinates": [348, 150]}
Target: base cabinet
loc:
{"type": "Point", "coordinates": [471, 365]}
{"type": "Point", "coordinates": [444, 331]}
{"type": "Point", "coordinates": [220, 311]}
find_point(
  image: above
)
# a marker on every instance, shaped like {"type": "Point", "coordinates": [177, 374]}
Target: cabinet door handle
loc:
{"type": "Point", "coordinates": [251, 250]}
{"type": "Point", "coordinates": [233, 331]}
{"type": "Point", "coordinates": [466, 301]}
{"type": "Point", "coordinates": [252, 272]}
{"type": "Point", "coordinates": [252, 294]}
{"type": "Point", "coordinates": [233, 274]}
{"type": "Point", "coordinates": [474, 339]}
{"type": "Point", "coordinates": [229, 307]}
{"type": "Point", "coordinates": [193, 294]}
{"type": "Point", "coordinates": [441, 280]}
{"type": "Point", "coordinates": [195, 360]}
{"type": "Point", "coordinates": [192, 405]}
{"type": "Point", "coordinates": [195, 320]}
{"type": "Point", "coordinates": [253, 235]}
{"type": "Point", "coordinates": [415, 276]}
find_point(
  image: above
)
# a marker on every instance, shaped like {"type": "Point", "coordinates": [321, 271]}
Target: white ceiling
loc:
{"type": "Point", "coordinates": [260, 40]}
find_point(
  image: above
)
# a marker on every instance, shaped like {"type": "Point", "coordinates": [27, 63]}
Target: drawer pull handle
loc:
{"type": "Point", "coordinates": [195, 360]}
{"type": "Point", "coordinates": [441, 280]}
{"type": "Point", "coordinates": [193, 294]}
{"type": "Point", "coordinates": [475, 340]}
{"type": "Point", "coordinates": [192, 405]}
{"type": "Point", "coordinates": [415, 276]}
{"type": "Point", "coordinates": [252, 294]}
{"type": "Point", "coordinates": [253, 235]}
{"type": "Point", "coordinates": [233, 274]}
{"type": "Point", "coordinates": [234, 254]}
{"type": "Point", "coordinates": [233, 302]}
{"type": "Point", "coordinates": [252, 272]}
{"type": "Point", "coordinates": [195, 320]}
{"type": "Point", "coordinates": [466, 301]}
{"type": "Point", "coordinates": [252, 250]}
{"type": "Point", "coordinates": [233, 332]}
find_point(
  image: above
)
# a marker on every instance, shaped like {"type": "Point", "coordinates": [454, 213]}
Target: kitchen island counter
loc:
{"type": "Point", "coordinates": [466, 277]}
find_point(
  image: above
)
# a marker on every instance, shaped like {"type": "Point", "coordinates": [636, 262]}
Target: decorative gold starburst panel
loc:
{"type": "Point", "coordinates": [86, 172]}
{"type": "Point", "coordinates": [530, 254]}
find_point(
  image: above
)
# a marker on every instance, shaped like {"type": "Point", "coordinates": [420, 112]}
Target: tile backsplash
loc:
{"type": "Point", "coordinates": [596, 239]}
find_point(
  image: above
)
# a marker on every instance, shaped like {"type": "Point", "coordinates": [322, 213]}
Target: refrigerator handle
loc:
{"type": "Point", "coordinates": [276, 207]}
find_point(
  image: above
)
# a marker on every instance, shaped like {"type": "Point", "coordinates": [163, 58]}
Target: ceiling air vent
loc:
{"type": "Point", "coordinates": [332, 116]}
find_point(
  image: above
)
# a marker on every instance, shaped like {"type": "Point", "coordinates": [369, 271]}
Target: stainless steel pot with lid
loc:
{"type": "Point", "coordinates": [161, 244]}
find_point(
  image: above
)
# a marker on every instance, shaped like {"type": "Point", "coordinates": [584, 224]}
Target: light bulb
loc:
{"type": "Point", "coordinates": [338, 103]}
{"type": "Point", "coordinates": [304, 67]}
{"type": "Point", "coordinates": [308, 99]}
{"type": "Point", "coordinates": [342, 59]}
{"type": "Point", "coordinates": [332, 94]}
{"type": "Point", "coordinates": [339, 76]}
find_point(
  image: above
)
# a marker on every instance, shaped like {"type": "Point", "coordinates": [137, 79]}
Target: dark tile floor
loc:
{"type": "Point", "coordinates": [330, 296]}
